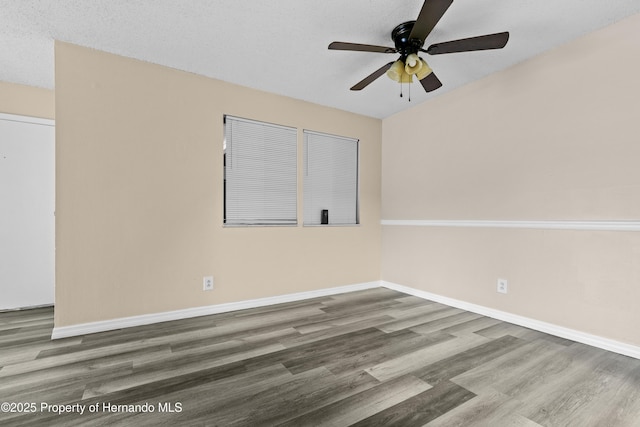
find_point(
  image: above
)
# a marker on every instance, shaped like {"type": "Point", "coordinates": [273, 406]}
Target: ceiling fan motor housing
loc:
{"type": "Point", "coordinates": [404, 45]}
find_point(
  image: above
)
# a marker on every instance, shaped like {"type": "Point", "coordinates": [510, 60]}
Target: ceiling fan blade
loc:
{"type": "Point", "coordinates": [361, 47]}
{"type": "Point", "coordinates": [489, 41]}
{"type": "Point", "coordinates": [371, 77]}
{"type": "Point", "coordinates": [430, 83]}
{"type": "Point", "coordinates": [430, 14]}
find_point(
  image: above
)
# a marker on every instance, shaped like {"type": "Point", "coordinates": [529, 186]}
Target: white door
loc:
{"type": "Point", "coordinates": [27, 200]}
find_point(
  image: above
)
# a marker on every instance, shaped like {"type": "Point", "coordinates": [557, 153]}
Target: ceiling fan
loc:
{"type": "Point", "coordinates": [409, 38]}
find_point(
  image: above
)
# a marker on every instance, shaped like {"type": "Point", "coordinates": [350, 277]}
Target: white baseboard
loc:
{"type": "Point", "coordinates": [127, 322]}
{"type": "Point", "coordinates": [570, 334]}
{"type": "Point", "coordinates": [147, 319]}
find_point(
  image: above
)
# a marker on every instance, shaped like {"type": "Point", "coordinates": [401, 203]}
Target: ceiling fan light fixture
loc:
{"type": "Point", "coordinates": [409, 37]}
{"type": "Point", "coordinates": [396, 71]}
{"type": "Point", "coordinates": [413, 64]}
{"type": "Point", "coordinates": [424, 70]}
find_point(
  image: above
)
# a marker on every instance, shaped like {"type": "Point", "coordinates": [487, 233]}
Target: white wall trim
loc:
{"type": "Point", "coordinates": [622, 225]}
{"type": "Point", "coordinates": [571, 334]}
{"type": "Point", "coordinates": [146, 319]}
{"type": "Point", "coordinates": [27, 119]}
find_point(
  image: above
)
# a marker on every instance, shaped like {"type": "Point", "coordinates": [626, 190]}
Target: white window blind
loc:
{"type": "Point", "coordinates": [260, 173]}
{"type": "Point", "coordinates": [330, 179]}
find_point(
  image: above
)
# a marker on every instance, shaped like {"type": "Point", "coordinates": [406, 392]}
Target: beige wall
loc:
{"type": "Point", "coordinates": [553, 138]}
{"type": "Point", "coordinates": [139, 194]}
{"type": "Point", "coordinates": [26, 100]}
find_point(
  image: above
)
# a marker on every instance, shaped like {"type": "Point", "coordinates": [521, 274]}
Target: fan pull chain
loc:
{"type": "Point", "coordinates": [409, 91]}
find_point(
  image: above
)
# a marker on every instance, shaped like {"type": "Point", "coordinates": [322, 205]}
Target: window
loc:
{"type": "Point", "coordinates": [260, 173]}
{"type": "Point", "coordinates": [330, 179]}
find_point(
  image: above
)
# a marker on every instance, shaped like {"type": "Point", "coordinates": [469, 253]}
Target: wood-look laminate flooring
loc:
{"type": "Point", "coordinates": [369, 358]}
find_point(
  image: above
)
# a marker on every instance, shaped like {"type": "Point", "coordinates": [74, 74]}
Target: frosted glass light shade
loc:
{"type": "Point", "coordinates": [406, 78]}
{"type": "Point", "coordinates": [424, 70]}
{"type": "Point", "coordinates": [396, 71]}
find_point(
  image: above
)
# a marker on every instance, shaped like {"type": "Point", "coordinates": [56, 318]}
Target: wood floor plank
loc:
{"type": "Point", "coordinates": [419, 316]}
{"type": "Point", "coordinates": [445, 322]}
{"type": "Point", "coordinates": [591, 387]}
{"type": "Point", "coordinates": [452, 366]}
{"type": "Point", "coordinates": [14, 355]}
{"type": "Point", "coordinates": [471, 326]}
{"type": "Point", "coordinates": [523, 368]}
{"type": "Point", "coordinates": [40, 315]}
{"type": "Point", "coordinates": [196, 343]}
{"type": "Point", "coordinates": [491, 409]}
{"type": "Point", "coordinates": [337, 330]}
{"type": "Point", "coordinates": [147, 392]}
{"type": "Point", "coordinates": [201, 402]}
{"type": "Point", "coordinates": [557, 370]}
{"type": "Point", "coordinates": [147, 374]}
{"type": "Point", "coordinates": [397, 346]}
{"type": "Point", "coordinates": [363, 297]}
{"type": "Point", "coordinates": [405, 310]}
{"type": "Point", "coordinates": [407, 363]}
{"type": "Point", "coordinates": [335, 348]}
{"type": "Point", "coordinates": [66, 389]}
{"type": "Point", "coordinates": [309, 354]}
{"type": "Point", "coordinates": [621, 406]}
{"type": "Point", "coordinates": [304, 393]}
{"type": "Point", "coordinates": [501, 329]}
{"type": "Point", "coordinates": [421, 408]}
{"type": "Point", "coordinates": [79, 371]}
{"type": "Point", "coordinates": [339, 319]}
{"type": "Point", "coordinates": [353, 409]}
{"type": "Point", "coordinates": [40, 364]}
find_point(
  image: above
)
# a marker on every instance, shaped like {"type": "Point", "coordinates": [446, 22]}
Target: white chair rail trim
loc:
{"type": "Point", "coordinates": [619, 225]}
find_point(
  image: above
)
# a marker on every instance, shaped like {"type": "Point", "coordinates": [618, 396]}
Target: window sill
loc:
{"type": "Point", "coordinates": [331, 225]}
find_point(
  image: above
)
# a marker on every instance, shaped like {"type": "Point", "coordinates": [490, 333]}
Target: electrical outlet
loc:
{"type": "Point", "coordinates": [502, 286]}
{"type": "Point", "coordinates": [207, 283]}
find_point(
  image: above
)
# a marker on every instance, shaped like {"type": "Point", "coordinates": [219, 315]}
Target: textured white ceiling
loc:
{"type": "Point", "coordinates": [281, 46]}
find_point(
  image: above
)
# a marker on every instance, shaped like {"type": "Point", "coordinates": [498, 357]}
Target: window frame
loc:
{"type": "Point", "coordinates": [305, 160]}
{"type": "Point", "coordinates": [228, 148]}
